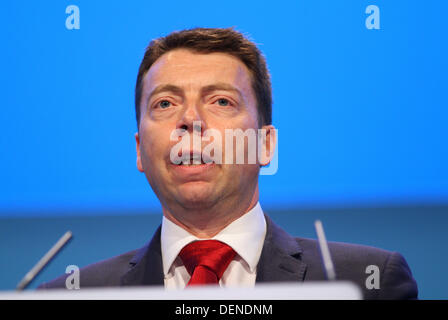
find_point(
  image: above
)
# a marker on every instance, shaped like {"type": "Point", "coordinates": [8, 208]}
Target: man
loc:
{"type": "Point", "coordinates": [204, 83]}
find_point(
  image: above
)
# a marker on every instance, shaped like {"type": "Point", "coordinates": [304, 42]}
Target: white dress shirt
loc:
{"type": "Point", "coordinates": [245, 235]}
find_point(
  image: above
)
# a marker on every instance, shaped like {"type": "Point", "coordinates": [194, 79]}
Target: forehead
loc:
{"type": "Point", "coordinates": [185, 68]}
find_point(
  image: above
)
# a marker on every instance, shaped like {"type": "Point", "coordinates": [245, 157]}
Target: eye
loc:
{"type": "Point", "coordinates": [223, 102]}
{"type": "Point", "coordinates": [164, 104]}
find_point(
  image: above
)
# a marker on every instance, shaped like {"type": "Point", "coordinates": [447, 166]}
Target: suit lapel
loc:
{"type": "Point", "coordinates": [279, 260]}
{"type": "Point", "coordinates": [280, 257]}
{"type": "Point", "coordinates": [146, 265]}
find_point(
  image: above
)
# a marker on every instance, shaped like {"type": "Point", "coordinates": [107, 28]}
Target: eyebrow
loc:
{"type": "Point", "coordinates": [204, 90]}
{"type": "Point", "coordinates": [164, 88]}
{"type": "Point", "coordinates": [221, 86]}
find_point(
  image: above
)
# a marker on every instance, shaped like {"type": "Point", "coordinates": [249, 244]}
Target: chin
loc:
{"type": "Point", "coordinates": [196, 195]}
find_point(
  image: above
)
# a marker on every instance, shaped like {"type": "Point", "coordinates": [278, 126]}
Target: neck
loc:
{"type": "Point", "coordinates": [206, 222]}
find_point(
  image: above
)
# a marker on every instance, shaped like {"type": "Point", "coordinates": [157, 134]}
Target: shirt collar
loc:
{"type": "Point", "coordinates": [245, 235]}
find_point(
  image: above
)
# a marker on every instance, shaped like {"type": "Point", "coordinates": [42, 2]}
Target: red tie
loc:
{"type": "Point", "coordinates": [206, 261]}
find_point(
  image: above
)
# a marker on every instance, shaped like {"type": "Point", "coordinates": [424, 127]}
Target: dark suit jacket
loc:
{"type": "Point", "coordinates": [283, 258]}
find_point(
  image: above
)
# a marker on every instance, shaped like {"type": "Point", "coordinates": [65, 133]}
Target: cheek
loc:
{"type": "Point", "coordinates": [243, 121]}
{"type": "Point", "coordinates": [152, 145]}
{"type": "Point", "coordinates": [252, 118]}
{"type": "Point", "coordinates": [241, 175]}
{"type": "Point", "coordinates": [157, 144]}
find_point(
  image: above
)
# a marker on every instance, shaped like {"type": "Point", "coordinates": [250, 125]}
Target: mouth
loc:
{"type": "Point", "coordinates": [192, 159]}
{"type": "Point", "coordinates": [192, 166]}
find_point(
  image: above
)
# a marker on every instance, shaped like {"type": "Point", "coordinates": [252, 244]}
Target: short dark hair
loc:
{"type": "Point", "coordinates": [210, 40]}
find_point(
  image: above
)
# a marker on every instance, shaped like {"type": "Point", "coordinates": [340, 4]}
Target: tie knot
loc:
{"type": "Point", "coordinates": [209, 254]}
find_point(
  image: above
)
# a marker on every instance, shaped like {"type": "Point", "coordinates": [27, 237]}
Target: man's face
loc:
{"type": "Point", "coordinates": [183, 87]}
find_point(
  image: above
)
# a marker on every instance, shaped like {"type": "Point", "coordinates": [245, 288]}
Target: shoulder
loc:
{"type": "Point", "coordinates": [103, 273]}
{"type": "Point", "coordinates": [380, 273]}
{"type": "Point", "coordinates": [344, 252]}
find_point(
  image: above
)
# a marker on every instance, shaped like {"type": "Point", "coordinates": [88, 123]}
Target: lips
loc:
{"type": "Point", "coordinates": [192, 158]}
{"type": "Point", "coordinates": [192, 166]}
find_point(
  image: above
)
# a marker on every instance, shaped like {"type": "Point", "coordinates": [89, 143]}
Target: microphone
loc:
{"type": "Point", "coordinates": [324, 251]}
{"type": "Point", "coordinates": [44, 261]}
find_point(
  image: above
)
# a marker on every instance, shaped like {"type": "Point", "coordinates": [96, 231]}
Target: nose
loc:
{"type": "Point", "coordinates": [191, 120]}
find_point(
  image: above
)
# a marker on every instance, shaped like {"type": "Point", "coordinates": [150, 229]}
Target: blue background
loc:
{"type": "Point", "coordinates": [361, 116]}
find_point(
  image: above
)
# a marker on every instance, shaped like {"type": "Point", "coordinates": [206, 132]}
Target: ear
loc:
{"type": "Point", "coordinates": [139, 158]}
{"type": "Point", "coordinates": [267, 141]}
